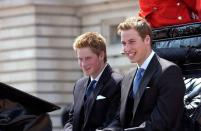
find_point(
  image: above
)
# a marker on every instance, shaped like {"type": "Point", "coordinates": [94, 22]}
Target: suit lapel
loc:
{"type": "Point", "coordinates": [126, 84]}
{"type": "Point", "coordinates": [152, 67]}
{"type": "Point", "coordinates": [90, 102]}
{"type": "Point", "coordinates": [98, 89]}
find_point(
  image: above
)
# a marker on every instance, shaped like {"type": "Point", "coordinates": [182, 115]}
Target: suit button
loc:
{"type": "Point", "coordinates": [178, 3]}
{"type": "Point", "coordinates": [179, 18]}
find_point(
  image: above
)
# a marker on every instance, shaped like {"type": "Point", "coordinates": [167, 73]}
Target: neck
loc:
{"type": "Point", "coordinates": [102, 66]}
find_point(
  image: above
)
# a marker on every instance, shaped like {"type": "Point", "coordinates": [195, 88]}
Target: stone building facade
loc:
{"type": "Point", "coordinates": [36, 39]}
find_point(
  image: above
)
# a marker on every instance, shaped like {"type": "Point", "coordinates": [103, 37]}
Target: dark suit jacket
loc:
{"type": "Point", "coordinates": [99, 112]}
{"type": "Point", "coordinates": [158, 104]}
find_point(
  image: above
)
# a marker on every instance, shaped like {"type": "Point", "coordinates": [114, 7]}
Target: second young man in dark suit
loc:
{"type": "Point", "coordinates": [152, 95]}
{"type": "Point", "coordinates": [96, 95]}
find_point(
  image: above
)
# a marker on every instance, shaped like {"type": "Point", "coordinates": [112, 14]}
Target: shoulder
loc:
{"type": "Point", "coordinates": [114, 74]}
{"type": "Point", "coordinates": [169, 68]}
{"type": "Point", "coordinates": [165, 64]}
{"type": "Point", "coordinates": [81, 82]}
{"type": "Point", "coordinates": [128, 75]}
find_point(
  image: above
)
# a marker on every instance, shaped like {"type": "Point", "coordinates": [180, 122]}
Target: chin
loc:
{"type": "Point", "coordinates": [86, 73]}
{"type": "Point", "coordinates": [132, 61]}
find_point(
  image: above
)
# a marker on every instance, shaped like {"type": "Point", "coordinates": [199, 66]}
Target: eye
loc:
{"type": "Point", "coordinates": [123, 43]}
{"type": "Point", "coordinates": [132, 42]}
{"type": "Point", "coordinates": [79, 59]}
{"type": "Point", "coordinates": [87, 58]}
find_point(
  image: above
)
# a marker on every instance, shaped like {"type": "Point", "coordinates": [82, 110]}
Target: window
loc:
{"type": "Point", "coordinates": [109, 30]}
{"type": "Point", "coordinates": [114, 37]}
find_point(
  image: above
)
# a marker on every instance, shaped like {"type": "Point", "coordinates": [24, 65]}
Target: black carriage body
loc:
{"type": "Point", "coordinates": [181, 44]}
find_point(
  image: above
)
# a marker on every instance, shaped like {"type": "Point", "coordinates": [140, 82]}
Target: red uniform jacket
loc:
{"type": "Point", "coordinates": [169, 12]}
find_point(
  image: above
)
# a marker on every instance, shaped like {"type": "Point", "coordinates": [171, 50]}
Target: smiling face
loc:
{"type": "Point", "coordinates": [90, 63]}
{"type": "Point", "coordinates": [134, 47]}
{"type": "Point", "coordinates": [90, 48]}
{"type": "Point", "coordinates": [136, 38]}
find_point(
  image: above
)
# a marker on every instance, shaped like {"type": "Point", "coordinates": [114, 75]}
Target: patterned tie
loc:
{"type": "Point", "coordinates": [90, 87]}
{"type": "Point", "coordinates": [137, 80]}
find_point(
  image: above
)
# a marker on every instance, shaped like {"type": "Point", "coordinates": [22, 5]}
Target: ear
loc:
{"type": "Point", "coordinates": [101, 55]}
{"type": "Point", "coordinates": [147, 40]}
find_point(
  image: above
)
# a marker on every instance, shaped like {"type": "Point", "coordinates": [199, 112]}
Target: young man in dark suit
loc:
{"type": "Point", "coordinates": [96, 95]}
{"type": "Point", "coordinates": [152, 95]}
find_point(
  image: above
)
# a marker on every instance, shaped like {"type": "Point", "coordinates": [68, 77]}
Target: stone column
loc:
{"type": "Point", "coordinates": [36, 52]}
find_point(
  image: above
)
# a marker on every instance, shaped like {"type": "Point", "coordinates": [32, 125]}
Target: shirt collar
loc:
{"type": "Point", "coordinates": [147, 61]}
{"type": "Point", "coordinates": [99, 75]}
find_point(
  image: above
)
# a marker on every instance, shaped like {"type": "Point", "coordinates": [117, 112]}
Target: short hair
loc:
{"type": "Point", "coordinates": [95, 41]}
{"type": "Point", "coordinates": [139, 24]}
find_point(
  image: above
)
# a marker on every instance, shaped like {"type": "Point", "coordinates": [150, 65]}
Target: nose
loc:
{"type": "Point", "coordinates": [83, 63]}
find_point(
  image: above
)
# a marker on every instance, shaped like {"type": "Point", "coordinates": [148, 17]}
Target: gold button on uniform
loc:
{"type": "Point", "coordinates": [178, 4]}
{"type": "Point", "coordinates": [179, 17]}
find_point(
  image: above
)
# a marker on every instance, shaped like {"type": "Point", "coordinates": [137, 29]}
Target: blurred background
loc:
{"type": "Point", "coordinates": [36, 37]}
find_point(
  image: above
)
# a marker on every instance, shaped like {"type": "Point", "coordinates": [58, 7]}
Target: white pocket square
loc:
{"type": "Point", "coordinates": [99, 97]}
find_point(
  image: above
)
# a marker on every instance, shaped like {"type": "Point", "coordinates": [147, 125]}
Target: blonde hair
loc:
{"type": "Point", "coordinates": [95, 41]}
{"type": "Point", "coordinates": [139, 24]}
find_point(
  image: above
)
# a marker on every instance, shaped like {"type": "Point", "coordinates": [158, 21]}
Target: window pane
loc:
{"type": "Point", "coordinates": [114, 37]}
